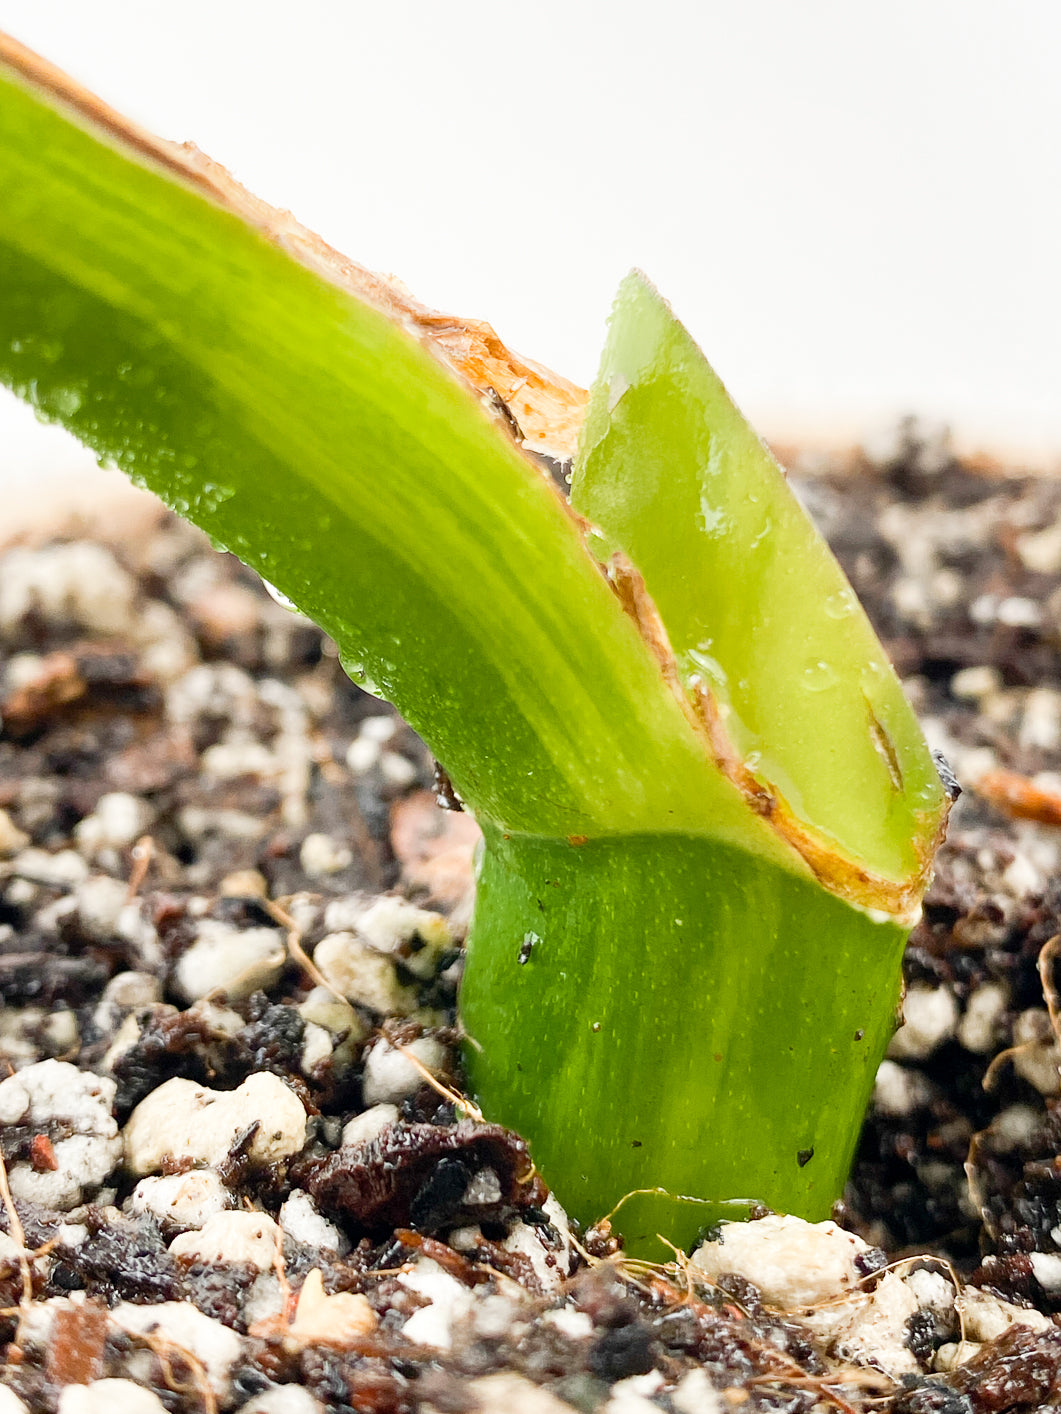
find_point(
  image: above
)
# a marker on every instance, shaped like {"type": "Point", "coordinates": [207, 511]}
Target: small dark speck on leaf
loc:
{"type": "Point", "coordinates": [804, 1157]}
{"type": "Point", "coordinates": [948, 780]}
{"type": "Point", "coordinates": [527, 947]}
{"type": "Point", "coordinates": [445, 796]}
{"type": "Point", "coordinates": [635, 1143]}
{"type": "Point", "coordinates": [859, 1034]}
{"type": "Point", "coordinates": [595, 1026]}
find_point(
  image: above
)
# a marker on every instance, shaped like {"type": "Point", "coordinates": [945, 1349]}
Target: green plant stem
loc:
{"type": "Point", "coordinates": [756, 609]}
{"type": "Point", "coordinates": [701, 1024]}
{"type": "Point", "coordinates": [694, 1011]}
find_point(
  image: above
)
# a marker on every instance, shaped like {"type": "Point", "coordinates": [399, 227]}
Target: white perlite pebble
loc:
{"type": "Point", "coordinates": [1036, 1057]}
{"type": "Point", "coordinates": [230, 960]}
{"type": "Point", "coordinates": [495, 1316]}
{"type": "Point", "coordinates": [513, 1394]}
{"type": "Point", "coordinates": [1046, 1268]}
{"type": "Point", "coordinates": [125, 992]}
{"type": "Point", "coordinates": [141, 934]}
{"type": "Point", "coordinates": [987, 1316]}
{"type": "Point", "coordinates": [379, 728]}
{"type": "Point", "coordinates": [182, 1120]}
{"type": "Point", "coordinates": [871, 1328]}
{"type": "Point", "coordinates": [634, 1394]}
{"type": "Point", "coordinates": [117, 822]}
{"type": "Point", "coordinates": [898, 1091]}
{"type": "Point", "coordinates": [576, 1325]}
{"type": "Point", "coordinates": [12, 839]}
{"type": "Point", "coordinates": [125, 1038]}
{"type": "Point", "coordinates": [483, 1187]}
{"type": "Point", "coordinates": [1017, 611]}
{"type": "Point", "coordinates": [38, 1320]}
{"type": "Point", "coordinates": [285, 1399]}
{"type": "Point", "coordinates": [397, 770]}
{"type": "Point", "coordinates": [1013, 1126]}
{"type": "Point", "coordinates": [978, 1028]}
{"type": "Point", "coordinates": [77, 583]}
{"type": "Point", "coordinates": [362, 974]}
{"type": "Point", "coordinates": [14, 1100]}
{"type": "Point", "coordinates": [334, 1016]}
{"type": "Point", "coordinates": [99, 902]}
{"type": "Point", "coordinates": [361, 755]}
{"type": "Point", "coordinates": [1040, 728]}
{"type": "Point", "coordinates": [933, 1291]}
{"type": "Point", "coordinates": [238, 755]}
{"type": "Point", "coordinates": [1040, 550]}
{"type": "Point", "coordinates": [390, 923]}
{"type": "Point", "coordinates": [331, 1320]}
{"type": "Point", "coordinates": [317, 1048]}
{"type": "Point", "coordinates": [302, 1221]}
{"type": "Point", "coordinates": [185, 1200]}
{"type": "Point", "coordinates": [1022, 877]}
{"type": "Point", "coordinates": [10, 1402]}
{"type": "Point", "coordinates": [697, 1395]}
{"type": "Point", "coordinates": [550, 1267]}
{"type": "Point", "coordinates": [369, 1123]}
{"type": "Point", "coordinates": [244, 883]}
{"type": "Point", "coordinates": [393, 925]}
{"type": "Point", "coordinates": [320, 855]}
{"type": "Point", "coordinates": [108, 1396]}
{"type": "Point", "coordinates": [212, 689]}
{"type": "Point", "coordinates": [451, 1301]}
{"type": "Point", "coordinates": [334, 1031]}
{"type": "Point", "coordinates": [54, 1090]}
{"type": "Point", "coordinates": [879, 1333]}
{"type": "Point", "coordinates": [793, 1263]}
{"type": "Point", "coordinates": [264, 1299]}
{"type": "Point", "coordinates": [25, 1032]}
{"type": "Point", "coordinates": [930, 1016]}
{"type": "Point", "coordinates": [84, 1164]}
{"type": "Point", "coordinates": [64, 869]}
{"type": "Point", "coordinates": [231, 1237]}
{"type": "Point", "coordinates": [970, 684]}
{"type": "Point", "coordinates": [216, 1347]}
{"type": "Point", "coordinates": [391, 1077]}
{"type": "Point", "coordinates": [198, 820]}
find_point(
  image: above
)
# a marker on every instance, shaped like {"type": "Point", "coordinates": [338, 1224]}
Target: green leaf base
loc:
{"type": "Point", "coordinates": [676, 1015]}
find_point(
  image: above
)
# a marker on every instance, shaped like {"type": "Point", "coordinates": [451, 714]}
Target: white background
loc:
{"type": "Point", "coordinates": [855, 207]}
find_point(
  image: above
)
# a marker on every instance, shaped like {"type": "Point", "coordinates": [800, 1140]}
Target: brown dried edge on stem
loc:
{"type": "Point", "coordinates": [547, 409]}
{"type": "Point", "coordinates": [899, 898]}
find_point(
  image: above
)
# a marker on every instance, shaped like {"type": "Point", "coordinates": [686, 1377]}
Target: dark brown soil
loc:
{"type": "Point", "coordinates": [179, 755]}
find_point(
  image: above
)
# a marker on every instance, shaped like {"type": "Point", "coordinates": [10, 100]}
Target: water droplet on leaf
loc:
{"type": "Point", "coordinates": [285, 603]}
{"type": "Point", "coordinates": [818, 676]}
{"type": "Point", "coordinates": [840, 604]}
{"type": "Point", "coordinates": [61, 402]}
{"type": "Point", "coordinates": [358, 673]}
